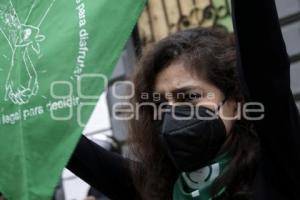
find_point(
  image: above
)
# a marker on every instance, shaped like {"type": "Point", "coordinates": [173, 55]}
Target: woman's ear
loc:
{"type": "Point", "coordinates": [229, 113]}
{"type": "Point", "coordinates": [236, 107]}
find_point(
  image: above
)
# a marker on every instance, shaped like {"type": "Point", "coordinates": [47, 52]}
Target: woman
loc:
{"type": "Point", "coordinates": [221, 158]}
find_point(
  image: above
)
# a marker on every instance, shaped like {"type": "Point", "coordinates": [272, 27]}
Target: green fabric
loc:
{"type": "Point", "coordinates": [222, 12]}
{"type": "Point", "coordinates": [196, 185]}
{"type": "Point", "coordinates": [44, 45]}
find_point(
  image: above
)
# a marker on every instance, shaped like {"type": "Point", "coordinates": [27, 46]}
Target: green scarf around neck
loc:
{"type": "Point", "coordinates": [196, 185]}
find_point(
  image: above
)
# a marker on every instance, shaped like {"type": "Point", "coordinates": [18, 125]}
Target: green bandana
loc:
{"type": "Point", "coordinates": [196, 185]}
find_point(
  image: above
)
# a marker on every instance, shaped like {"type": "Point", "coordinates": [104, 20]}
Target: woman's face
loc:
{"type": "Point", "coordinates": [179, 85]}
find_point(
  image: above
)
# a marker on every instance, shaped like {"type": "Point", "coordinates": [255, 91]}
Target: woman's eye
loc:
{"type": "Point", "coordinates": [194, 96]}
{"type": "Point", "coordinates": [189, 97]}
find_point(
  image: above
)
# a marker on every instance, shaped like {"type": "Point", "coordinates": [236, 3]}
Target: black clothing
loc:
{"type": "Point", "coordinates": [264, 72]}
{"type": "Point", "coordinates": [104, 170]}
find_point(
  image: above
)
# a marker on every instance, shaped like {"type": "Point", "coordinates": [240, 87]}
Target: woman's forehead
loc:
{"type": "Point", "coordinates": [177, 76]}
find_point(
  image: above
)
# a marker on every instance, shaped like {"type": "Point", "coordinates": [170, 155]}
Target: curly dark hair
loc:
{"type": "Point", "coordinates": [206, 51]}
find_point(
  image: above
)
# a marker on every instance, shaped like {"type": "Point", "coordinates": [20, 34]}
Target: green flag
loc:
{"type": "Point", "coordinates": [55, 57]}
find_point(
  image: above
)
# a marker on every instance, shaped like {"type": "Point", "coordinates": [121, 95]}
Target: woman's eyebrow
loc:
{"type": "Point", "coordinates": [185, 89]}
{"type": "Point", "coordinates": [181, 90]}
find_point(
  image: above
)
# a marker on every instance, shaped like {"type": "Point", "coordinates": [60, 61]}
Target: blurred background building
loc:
{"type": "Point", "coordinates": [159, 19]}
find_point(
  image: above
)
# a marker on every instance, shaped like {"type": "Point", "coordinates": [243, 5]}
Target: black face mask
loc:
{"type": "Point", "coordinates": [193, 142]}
